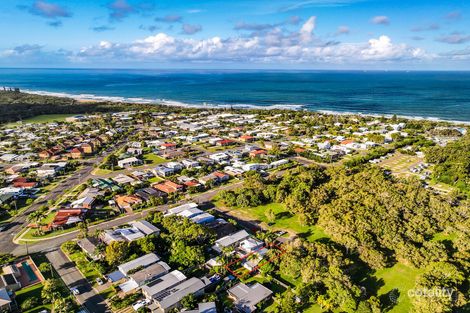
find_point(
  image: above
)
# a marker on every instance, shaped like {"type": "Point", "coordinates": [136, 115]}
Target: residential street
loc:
{"type": "Point", "coordinates": [20, 221]}
{"type": "Point", "coordinates": [92, 301]}
{"type": "Point", "coordinates": [54, 242]}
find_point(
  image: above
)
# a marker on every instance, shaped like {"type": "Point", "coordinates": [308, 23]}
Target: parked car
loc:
{"type": "Point", "coordinates": [75, 291]}
{"type": "Point", "coordinates": [140, 304]}
{"type": "Point", "coordinates": [99, 281]}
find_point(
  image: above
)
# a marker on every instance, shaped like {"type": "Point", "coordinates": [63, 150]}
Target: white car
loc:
{"type": "Point", "coordinates": [99, 281]}
{"type": "Point", "coordinates": [75, 291]}
{"type": "Point", "coordinates": [140, 304]}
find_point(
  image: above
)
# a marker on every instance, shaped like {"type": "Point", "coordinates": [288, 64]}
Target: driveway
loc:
{"type": "Point", "coordinates": [88, 297]}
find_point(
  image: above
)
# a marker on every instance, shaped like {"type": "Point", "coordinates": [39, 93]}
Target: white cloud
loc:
{"type": "Point", "coordinates": [306, 32]}
{"type": "Point", "coordinates": [276, 46]}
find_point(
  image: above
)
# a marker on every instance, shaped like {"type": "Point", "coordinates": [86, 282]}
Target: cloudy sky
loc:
{"type": "Point", "coordinates": [248, 34]}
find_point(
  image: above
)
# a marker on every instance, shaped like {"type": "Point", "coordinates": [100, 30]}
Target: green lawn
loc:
{"type": "Point", "coordinates": [84, 265]}
{"type": "Point", "coordinates": [108, 292]}
{"type": "Point", "coordinates": [155, 179]}
{"type": "Point", "coordinates": [444, 236]}
{"type": "Point", "coordinates": [284, 220]}
{"type": "Point", "coordinates": [48, 118]}
{"type": "Point", "coordinates": [401, 277]}
{"type": "Point", "coordinates": [153, 159]}
{"type": "Point", "coordinates": [29, 292]}
{"type": "Point", "coordinates": [101, 171]}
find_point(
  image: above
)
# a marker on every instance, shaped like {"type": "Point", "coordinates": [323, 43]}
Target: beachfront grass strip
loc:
{"type": "Point", "coordinates": [46, 118]}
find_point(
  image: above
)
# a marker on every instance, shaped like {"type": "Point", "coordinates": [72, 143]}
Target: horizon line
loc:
{"type": "Point", "coordinates": [232, 69]}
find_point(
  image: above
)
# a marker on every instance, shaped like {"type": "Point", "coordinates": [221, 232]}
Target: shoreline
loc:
{"type": "Point", "coordinates": [90, 98]}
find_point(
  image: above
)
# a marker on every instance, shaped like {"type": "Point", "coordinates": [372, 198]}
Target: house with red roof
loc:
{"type": "Point", "coordinates": [168, 187]}
{"type": "Point", "coordinates": [126, 202]}
{"type": "Point", "coordinates": [25, 184]}
{"type": "Point", "coordinates": [258, 152]}
{"type": "Point", "coordinates": [76, 153]}
{"type": "Point", "coordinates": [224, 142]}
{"type": "Point", "coordinates": [67, 217]}
{"type": "Point", "coordinates": [247, 138]}
{"type": "Point", "coordinates": [168, 146]}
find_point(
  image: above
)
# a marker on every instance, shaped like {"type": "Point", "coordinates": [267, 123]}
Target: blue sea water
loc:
{"type": "Point", "coordinates": [443, 95]}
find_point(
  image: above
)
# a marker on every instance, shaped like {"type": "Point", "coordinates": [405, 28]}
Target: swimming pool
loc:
{"type": "Point", "coordinates": [29, 271]}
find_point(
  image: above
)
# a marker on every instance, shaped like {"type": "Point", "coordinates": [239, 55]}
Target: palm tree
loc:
{"type": "Point", "coordinates": [36, 216]}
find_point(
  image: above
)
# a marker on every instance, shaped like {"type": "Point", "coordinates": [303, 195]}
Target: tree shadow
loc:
{"type": "Point", "coordinates": [284, 214]}
{"type": "Point", "coordinates": [389, 300]}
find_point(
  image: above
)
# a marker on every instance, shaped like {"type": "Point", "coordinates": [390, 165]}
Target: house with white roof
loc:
{"type": "Point", "coordinates": [230, 240]}
{"type": "Point", "coordinates": [246, 298]}
{"type": "Point", "coordinates": [142, 262]}
{"type": "Point", "coordinates": [129, 162]}
{"type": "Point", "coordinates": [181, 208]}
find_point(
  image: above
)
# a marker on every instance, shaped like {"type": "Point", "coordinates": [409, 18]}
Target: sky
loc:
{"type": "Point", "coordinates": [237, 34]}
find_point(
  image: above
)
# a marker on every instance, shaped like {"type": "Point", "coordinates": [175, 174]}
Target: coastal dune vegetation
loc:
{"type": "Point", "coordinates": [375, 224]}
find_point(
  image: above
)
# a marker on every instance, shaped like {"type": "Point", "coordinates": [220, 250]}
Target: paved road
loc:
{"type": "Point", "coordinates": [88, 297]}
{"type": "Point", "coordinates": [20, 221]}
{"type": "Point", "coordinates": [44, 245]}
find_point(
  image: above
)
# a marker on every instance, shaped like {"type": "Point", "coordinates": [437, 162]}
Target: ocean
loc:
{"type": "Point", "coordinates": [435, 95]}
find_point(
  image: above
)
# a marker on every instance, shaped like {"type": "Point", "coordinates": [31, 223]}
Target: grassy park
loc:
{"type": "Point", "coordinates": [47, 118]}
{"type": "Point", "coordinates": [283, 220]}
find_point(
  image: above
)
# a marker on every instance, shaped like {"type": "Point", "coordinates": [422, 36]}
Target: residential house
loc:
{"type": "Point", "coordinates": [126, 202]}
{"type": "Point", "coordinates": [247, 138]}
{"type": "Point", "coordinates": [257, 153]}
{"type": "Point", "coordinates": [224, 142]}
{"type": "Point", "coordinates": [76, 153]}
{"type": "Point", "coordinates": [90, 247]}
{"type": "Point", "coordinates": [144, 275]}
{"type": "Point", "coordinates": [85, 202]}
{"type": "Point", "coordinates": [135, 151]}
{"type": "Point", "coordinates": [146, 194]}
{"type": "Point", "coordinates": [122, 179]}
{"type": "Point", "coordinates": [51, 169]}
{"type": "Point", "coordinates": [230, 240]}
{"type": "Point", "coordinates": [167, 292]}
{"type": "Point", "coordinates": [219, 157]}
{"type": "Point", "coordinates": [153, 289]}
{"type": "Point", "coordinates": [5, 300]}
{"type": "Point", "coordinates": [171, 298]}
{"type": "Point", "coordinates": [190, 163]}
{"type": "Point", "coordinates": [204, 307]}
{"type": "Point", "coordinates": [141, 262]}
{"type": "Point", "coordinates": [168, 146]}
{"type": "Point", "coordinates": [175, 166]}
{"type": "Point", "coordinates": [168, 187]}
{"type": "Point", "coordinates": [129, 162]}
{"type": "Point", "coordinates": [181, 208]}
{"type": "Point", "coordinates": [221, 176]}
{"type": "Point", "coordinates": [163, 171]}
{"type": "Point", "coordinates": [67, 217]}
{"type": "Point", "coordinates": [246, 298]}
{"type": "Point", "coordinates": [145, 227]}
{"type": "Point", "coordinates": [203, 218]}
{"type": "Point", "coordinates": [87, 148]}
